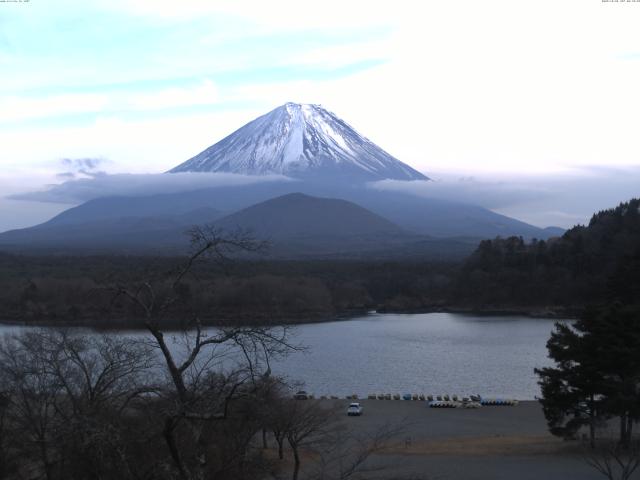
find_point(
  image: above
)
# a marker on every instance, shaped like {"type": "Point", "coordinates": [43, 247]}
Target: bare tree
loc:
{"type": "Point", "coordinates": [306, 425]}
{"type": "Point", "coordinates": [195, 358]}
{"type": "Point", "coordinates": [614, 460]}
{"type": "Point", "coordinates": [345, 455]}
{"type": "Point", "coordinates": [336, 453]}
{"type": "Point", "coordinates": [7, 460]}
{"type": "Point", "coordinates": [32, 396]}
{"type": "Point", "coordinates": [278, 422]}
{"type": "Point", "coordinates": [179, 404]}
{"type": "Point", "coordinates": [64, 395]}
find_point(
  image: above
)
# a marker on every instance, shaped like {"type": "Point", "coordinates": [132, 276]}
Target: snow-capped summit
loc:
{"type": "Point", "coordinates": [301, 141]}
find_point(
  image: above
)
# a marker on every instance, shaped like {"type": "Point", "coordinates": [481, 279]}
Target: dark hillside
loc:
{"type": "Point", "coordinates": [300, 215]}
{"type": "Point", "coordinates": [587, 264]}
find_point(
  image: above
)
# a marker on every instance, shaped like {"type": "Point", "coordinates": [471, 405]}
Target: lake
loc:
{"type": "Point", "coordinates": [431, 353]}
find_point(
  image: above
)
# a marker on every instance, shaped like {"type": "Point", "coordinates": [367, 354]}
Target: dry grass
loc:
{"type": "Point", "coordinates": [495, 445]}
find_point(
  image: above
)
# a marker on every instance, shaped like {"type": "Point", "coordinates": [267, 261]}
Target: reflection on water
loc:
{"type": "Point", "coordinates": [432, 353]}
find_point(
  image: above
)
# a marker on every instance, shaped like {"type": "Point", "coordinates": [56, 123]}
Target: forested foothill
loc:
{"type": "Point", "coordinates": [585, 266]}
{"type": "Point", "coordinates": [559, 277]}
{"type": "Point", "coordinates": [592, 391]}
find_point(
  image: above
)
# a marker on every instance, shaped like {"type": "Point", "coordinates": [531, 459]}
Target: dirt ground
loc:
{"type": "Point", "coordinates": [492, 443]}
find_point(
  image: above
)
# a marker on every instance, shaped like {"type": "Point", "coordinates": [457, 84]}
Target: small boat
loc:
{"type": "Point", "coordinates": [444, 404]}
{"type": "Point", "coordinates": [502, 402]}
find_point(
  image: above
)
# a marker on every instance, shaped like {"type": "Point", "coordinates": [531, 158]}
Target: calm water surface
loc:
{"type": "Point", "coordinates": [432, 353]}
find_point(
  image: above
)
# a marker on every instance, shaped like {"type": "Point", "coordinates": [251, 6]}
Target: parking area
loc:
{"type": "Point", "coordinates": [496, 442]}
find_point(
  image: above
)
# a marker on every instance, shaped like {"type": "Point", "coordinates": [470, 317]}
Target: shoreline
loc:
{"type": "Point", "coordinates": [549, 313]}
{"type": "Point", "coordinates": [557, 312]}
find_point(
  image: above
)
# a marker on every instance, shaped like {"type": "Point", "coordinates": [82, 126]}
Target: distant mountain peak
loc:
{"type": "Point", "coordinates": [301, 215]}
{"type": "Point", "coordinates": [301, 141]}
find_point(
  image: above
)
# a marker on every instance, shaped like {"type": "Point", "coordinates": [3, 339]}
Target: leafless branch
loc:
{"type": "Point", "coordinates": [612, 460]}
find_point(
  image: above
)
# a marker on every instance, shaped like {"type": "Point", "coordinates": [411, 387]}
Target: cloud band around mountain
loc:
{"type": "Point", "coordinates": [542, 200]}
{"type": "Point", "coordinates": [79, 190]}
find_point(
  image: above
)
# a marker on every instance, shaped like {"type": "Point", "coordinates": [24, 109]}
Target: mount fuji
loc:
{"type": "Point", "coordinates": [328, 209]}
{"type": "Point", "coordinates": [301, 141]}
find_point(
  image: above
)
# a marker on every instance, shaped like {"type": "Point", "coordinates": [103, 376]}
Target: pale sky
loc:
{"type": "Point", "coordinates": [515, 94]}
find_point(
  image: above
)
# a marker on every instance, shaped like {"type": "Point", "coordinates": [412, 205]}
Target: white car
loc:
{"type": "Point", "coordinates": [354, 410]}
{"type": "Point", "coordinates": [301, 395]}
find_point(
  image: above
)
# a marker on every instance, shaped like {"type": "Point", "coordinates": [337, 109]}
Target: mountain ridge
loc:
{"type": "Point", "coordinates": [329, 159]}
{"type": "Point", "coordinates": [421, 215]}
{"type": "Point", "coordinates": [296, 225]}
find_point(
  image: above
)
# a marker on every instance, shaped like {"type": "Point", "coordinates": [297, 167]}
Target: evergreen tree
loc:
{"type": "Point", "coordinates": [597, 373]}
{"type": "Point", "coordinates": [616, 328]}
{"type": "Point", "coordinates": [571, 391]}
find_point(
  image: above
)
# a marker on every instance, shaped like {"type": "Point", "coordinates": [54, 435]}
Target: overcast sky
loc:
{"type": "Point", "coordinates": [527, 107]}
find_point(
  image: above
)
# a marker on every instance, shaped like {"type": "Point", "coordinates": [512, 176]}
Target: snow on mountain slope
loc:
{"type": "Point", "coordinates": [300, 141]}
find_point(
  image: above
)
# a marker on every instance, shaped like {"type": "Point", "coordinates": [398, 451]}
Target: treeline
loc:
{"type": "Point", "coordinates": [582, 267]}
{"type": "Point", "coordinates": [73, 290]}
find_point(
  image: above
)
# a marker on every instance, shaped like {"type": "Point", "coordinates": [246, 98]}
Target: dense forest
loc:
{"type": "Point", "coordinates": [559, 276]}
{"type": "Point", "coordinates": [78, 290]}
{"type": "Point", "coordinates": [586, 265]}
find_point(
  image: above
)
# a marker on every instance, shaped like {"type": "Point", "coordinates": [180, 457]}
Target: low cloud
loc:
{"type": "Point", "coordinates": [562, 200]}
{"type": "Point", "coordinates": [79, 190]}
{"type": "Point", "coordinates": [83, 163]}
{"type": "Point", "coordinates": [468, 189]}
{"type": "Point", "coordinates": [81, 167]}
{"type": "Point", "coordinates": [65, 175]}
